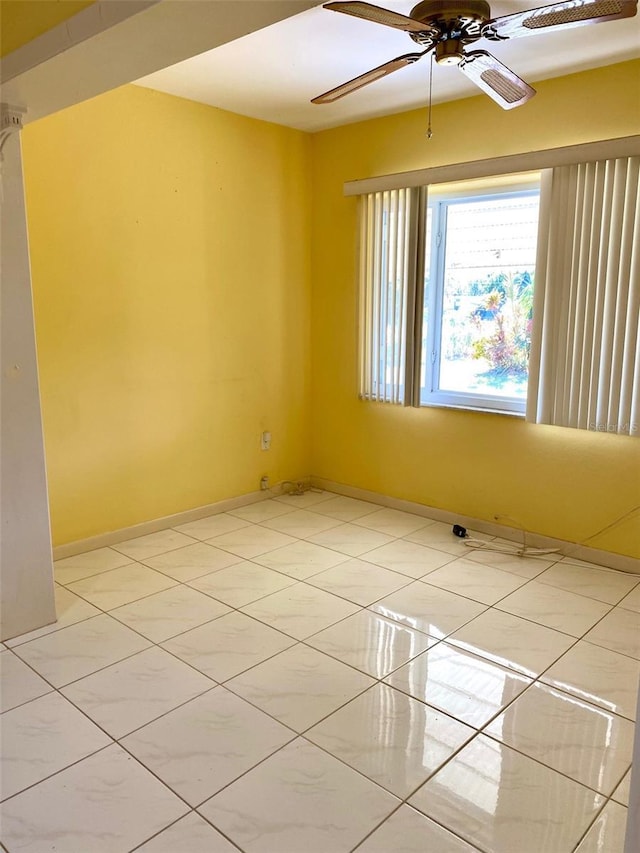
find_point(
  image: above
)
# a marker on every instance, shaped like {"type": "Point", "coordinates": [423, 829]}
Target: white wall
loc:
{"type": "Point", "coordinates": [26, 570]}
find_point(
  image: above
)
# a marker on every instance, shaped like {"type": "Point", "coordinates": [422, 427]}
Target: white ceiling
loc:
{"type": "Point", "coordinates": [272, 74]}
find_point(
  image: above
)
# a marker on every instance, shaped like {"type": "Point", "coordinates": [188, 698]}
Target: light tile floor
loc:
{"type": "Point", "coordinates": [317, 674]}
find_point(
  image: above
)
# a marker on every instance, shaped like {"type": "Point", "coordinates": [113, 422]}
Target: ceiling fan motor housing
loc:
{"type": "Point", "coordinates": [456, 22]}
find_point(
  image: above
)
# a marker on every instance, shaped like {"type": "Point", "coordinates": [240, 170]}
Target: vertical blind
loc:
{"type": "Point", "coordinates": [584, 368]}
{"type": "Point", "coordinates": [388, 240]}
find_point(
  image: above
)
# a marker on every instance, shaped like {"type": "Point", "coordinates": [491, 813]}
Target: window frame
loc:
{"type": "Point", "coordinates": [428, 392]}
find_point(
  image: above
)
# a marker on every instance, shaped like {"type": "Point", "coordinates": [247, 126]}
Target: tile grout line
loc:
{"type": "Point", "coordinates": [593, 822]}
{"type": "Point", "coordinates": [303, 642]}
{"type": "Point", "coordinates": [296, 641]}
{"type": "Point", "coordinates": [381, 681]}
{"type": "Point", "coordinates": [399, 538]}
{"type": "Point", "coordinates": [306, 580]}
{"type": "Point", "coordinates": [62, 769]}
{"type": "Point", "coordinates": [234, 609]}
{"type": "Point", "coordinates": [192, 812]}
{"type": "Point", "coordinates": [295, 734]}
{"type": "Point", "coordinates": [472, 847]}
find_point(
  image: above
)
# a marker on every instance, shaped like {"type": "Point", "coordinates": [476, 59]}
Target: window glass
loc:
{"type": "Point", "coordinates": [479, 278]}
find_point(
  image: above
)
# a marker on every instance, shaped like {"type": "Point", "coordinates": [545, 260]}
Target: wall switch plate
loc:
{"type": "Point", "coordinates": [265, 441]}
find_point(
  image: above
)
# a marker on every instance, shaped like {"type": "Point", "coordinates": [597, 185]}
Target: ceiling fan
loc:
{"type": "Point", "coordinates": [447, 26]}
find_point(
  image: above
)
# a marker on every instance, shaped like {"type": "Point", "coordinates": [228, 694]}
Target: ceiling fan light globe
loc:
{"type": "Point", "coordinates": [449, 52]}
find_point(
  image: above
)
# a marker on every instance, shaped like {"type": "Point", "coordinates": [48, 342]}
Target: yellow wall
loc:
{"type": "Point", "coordinates": [23, 20]}
{"type": "Point", "coordinates": [186, 264]}
{"type": "Point", "coordinates": [170, 247]}
{"type": "Point", "coordinates": [560, 482]}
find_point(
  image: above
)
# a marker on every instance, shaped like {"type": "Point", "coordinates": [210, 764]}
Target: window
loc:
{"type": "Point", "coordinates": [447, 292]}
{"type": "Point", "coordinates": [509, 290]}
{"type": "Point", "coordinates": [478, 297]}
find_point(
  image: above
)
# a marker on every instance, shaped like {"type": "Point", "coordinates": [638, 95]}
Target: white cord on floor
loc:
{"type": "Point", "coordinates": [507, 548]}
{"type": "Point", "coordinates": [525, 550]}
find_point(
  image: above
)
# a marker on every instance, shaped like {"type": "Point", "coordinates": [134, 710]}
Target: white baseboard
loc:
{"type": "Point", "coordinates": [567, 549]}
{"type": "Point", "coordinates": [103, 540]}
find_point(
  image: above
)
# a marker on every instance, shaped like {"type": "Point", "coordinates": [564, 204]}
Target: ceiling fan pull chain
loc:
{"type": "Point", "coordinates": [429, 131]}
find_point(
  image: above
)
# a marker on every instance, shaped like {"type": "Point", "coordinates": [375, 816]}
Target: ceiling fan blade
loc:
{"type": "Point", "coordinates": [367, 77]}
{"type": "Point", "coordinates": [381, 16]}
{"type": "Point", "coordinates": [570, 13]}
{"type": "Point", "coordinates": [494, 78]}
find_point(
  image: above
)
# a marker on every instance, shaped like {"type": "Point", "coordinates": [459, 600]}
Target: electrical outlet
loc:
{"type": "Point", "coordinates": [265, 441]}
{"type": "Point", "coordinates": [264, 483]}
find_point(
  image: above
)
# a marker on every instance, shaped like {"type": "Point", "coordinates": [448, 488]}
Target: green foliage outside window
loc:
{"type": "Point", "coordinates": [503, 320]}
